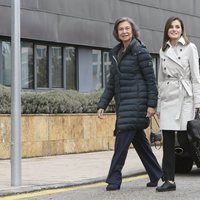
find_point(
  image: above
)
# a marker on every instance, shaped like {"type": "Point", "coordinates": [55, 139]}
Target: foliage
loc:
{"type": "Point", "coordinates": [5, 100]}
{"type": "Point", "coordinates": [53, 102]}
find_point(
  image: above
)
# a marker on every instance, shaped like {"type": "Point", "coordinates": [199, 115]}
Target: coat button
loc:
{"type": "Point", "coordinates": [168, 76]}
{"type": "Point", "coordinates": [167, 83]}
{"type": "Point", "coordinates": [181, 49]}
{"type": "Point", "coordinates": [164, 68]}
{"type": "Point", "coordinates": [179, 58]}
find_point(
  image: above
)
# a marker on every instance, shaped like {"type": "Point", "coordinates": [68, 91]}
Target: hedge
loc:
{"type": "Point", "coordinates": [53, 101]}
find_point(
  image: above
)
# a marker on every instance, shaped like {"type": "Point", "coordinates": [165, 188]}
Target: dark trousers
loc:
{"type": "Point", "coordinates": [168, 163]}
{"type": "Point", "coordinates": [144, 151]}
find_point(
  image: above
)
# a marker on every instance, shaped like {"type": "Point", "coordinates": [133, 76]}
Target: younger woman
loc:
{"type": "Point", "coordinates": [179, 93]}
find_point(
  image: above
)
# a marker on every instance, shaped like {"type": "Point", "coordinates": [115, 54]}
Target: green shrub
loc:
{"type": "Point", "coordinates": [53, 102]}
{"type": "Point", "coordinates": [5, 100]}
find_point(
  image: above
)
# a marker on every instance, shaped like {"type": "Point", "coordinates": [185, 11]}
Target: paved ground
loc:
{"type": "Point", "coordinates": [66, 170]}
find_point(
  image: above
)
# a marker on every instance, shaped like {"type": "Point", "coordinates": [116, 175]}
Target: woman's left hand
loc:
{"type": "Point", "coordinates": [150, 112]}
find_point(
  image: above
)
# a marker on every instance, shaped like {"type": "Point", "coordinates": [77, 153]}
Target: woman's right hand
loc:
{"type": "Point", "coordinates": [100, 113]}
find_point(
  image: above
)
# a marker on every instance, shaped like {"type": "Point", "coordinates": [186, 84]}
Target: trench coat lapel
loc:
{"type": "Point", "coordinates": [170, 53]}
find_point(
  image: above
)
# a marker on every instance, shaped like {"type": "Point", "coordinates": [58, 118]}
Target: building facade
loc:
{"type": "Point", "coordinates": [65, 43]}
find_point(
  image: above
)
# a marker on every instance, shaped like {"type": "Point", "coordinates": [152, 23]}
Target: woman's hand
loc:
{"type": "Point", "coordinates": [150, 112]}
{"type": "Point", "coordinates": [158, 114]}
{"type": "Point", "coordinates": [100, 113]}
{"type": "Point", "coordinates": [197, 110]}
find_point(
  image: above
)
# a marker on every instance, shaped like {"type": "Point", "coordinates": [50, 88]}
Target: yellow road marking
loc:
{"type": "Point", "coordinates": [67, 189]}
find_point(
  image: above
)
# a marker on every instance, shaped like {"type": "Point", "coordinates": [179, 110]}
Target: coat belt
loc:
{"type": "Point", "coordinates": [184, 83]}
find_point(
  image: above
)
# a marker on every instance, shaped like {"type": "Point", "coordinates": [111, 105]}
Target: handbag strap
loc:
{"type": "Point", "coordinates": [157, 146]}
{"type": "Point", "coordinates": [155, 121]}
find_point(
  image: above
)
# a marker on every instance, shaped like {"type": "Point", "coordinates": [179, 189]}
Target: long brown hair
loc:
{"type": "Point", "coordinates": [167, 26]}
{"type": "Point", "coordinates": [135, 29]}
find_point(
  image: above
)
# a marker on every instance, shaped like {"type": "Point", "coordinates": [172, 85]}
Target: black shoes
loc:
{"type": "Point", "coordinates": [111, 187]}
{"type": "Point", "coordinates": [152, 184]}
{"type": "Point", "coordinates": [166, 186]}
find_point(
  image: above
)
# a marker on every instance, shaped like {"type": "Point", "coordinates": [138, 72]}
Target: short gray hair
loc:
{"type": "Point", "coordinates": [135, 29]}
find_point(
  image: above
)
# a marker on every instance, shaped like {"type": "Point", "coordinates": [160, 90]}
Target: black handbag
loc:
{"type": "Point", "coordinates": [155, 136]}
{"type": "Point", "coordinates": [193, 133]}
{"type": "Point", "coordinates": [193, 129]}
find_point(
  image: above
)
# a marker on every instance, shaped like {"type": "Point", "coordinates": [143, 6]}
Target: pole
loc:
{"type": "Point", "coordinates": [15, 95]}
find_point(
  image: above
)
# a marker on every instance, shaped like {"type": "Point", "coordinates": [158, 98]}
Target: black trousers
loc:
{"type": "Point", "coordinates": [144, 151]}
{"type": "Point", "coordinates": [168, 162]}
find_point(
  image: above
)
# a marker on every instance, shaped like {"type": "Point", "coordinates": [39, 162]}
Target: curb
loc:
{"type": "Point", "coordinates": [35, 188]}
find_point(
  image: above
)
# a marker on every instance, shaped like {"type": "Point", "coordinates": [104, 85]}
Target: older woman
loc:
{"type": "Point", "coordinates": [132, 84]}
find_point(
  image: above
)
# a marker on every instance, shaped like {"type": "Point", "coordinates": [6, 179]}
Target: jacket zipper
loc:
{"type": "Point", "coordinates": [115, 59]}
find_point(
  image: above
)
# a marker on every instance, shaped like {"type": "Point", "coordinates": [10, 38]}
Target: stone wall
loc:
{"type": "Point", "coordinates": [44, 135]}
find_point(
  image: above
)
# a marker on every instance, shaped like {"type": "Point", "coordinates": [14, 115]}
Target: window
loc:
{"type": "Point", "coordinates": [27, 65]}
{"type": "Point", "coordinates": [41, 66]}
{"type": "Point", "coordinates": [70, 64]}
{"type": "Point", "coordinates": [106, 67]}
{"type": "Point", "coordinates": [96, 69]}
{"type": "Point", "coordinates": [56, 67]}
{"type": "Point", "coordinates": [6, 63]}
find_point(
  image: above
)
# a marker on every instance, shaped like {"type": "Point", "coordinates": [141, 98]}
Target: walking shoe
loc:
{"type": "Point", "coordinates": [111, 187]}
{"type": "Point", "coordinates": [152, 184]}
{"type": "Point", "coordinates": [166, 186]}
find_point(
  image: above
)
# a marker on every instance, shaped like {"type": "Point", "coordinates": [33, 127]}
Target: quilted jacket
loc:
{"type": "Point", "coordinates": [133, 86]}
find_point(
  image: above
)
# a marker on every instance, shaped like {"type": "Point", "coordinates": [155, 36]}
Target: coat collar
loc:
{"type": "Point", "coordinates": [181, 41]}
{"type": "Point", "coordinates": [119, 46]}
{"type": "Point", "coordinates": [170, 52]}
{"type": "Point", "coordinates": [135, 42]}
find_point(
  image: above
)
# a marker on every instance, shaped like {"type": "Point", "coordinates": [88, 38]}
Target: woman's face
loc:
{"type": "Point", "coordinates": [125, 32]}
{"type": "Point", "coordinates": [175, 30]}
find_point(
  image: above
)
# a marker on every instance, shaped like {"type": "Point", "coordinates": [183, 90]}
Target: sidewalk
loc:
{"type": "Point", "coordinates": [66, 170]}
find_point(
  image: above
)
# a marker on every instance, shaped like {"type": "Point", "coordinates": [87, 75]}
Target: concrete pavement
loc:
{"type": "Point", "coordinates": [67, 170]}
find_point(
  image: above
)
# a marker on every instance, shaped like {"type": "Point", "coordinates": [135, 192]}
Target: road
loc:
{"type": "Point", "coordinates": [133, 188]}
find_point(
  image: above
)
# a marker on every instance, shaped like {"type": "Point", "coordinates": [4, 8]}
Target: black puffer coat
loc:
{"type": "Point", "coordinates": [133, 86]}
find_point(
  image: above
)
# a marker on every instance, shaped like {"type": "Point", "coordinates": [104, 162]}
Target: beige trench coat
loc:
{"type": "Point", "coordinates": [178, 85]}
